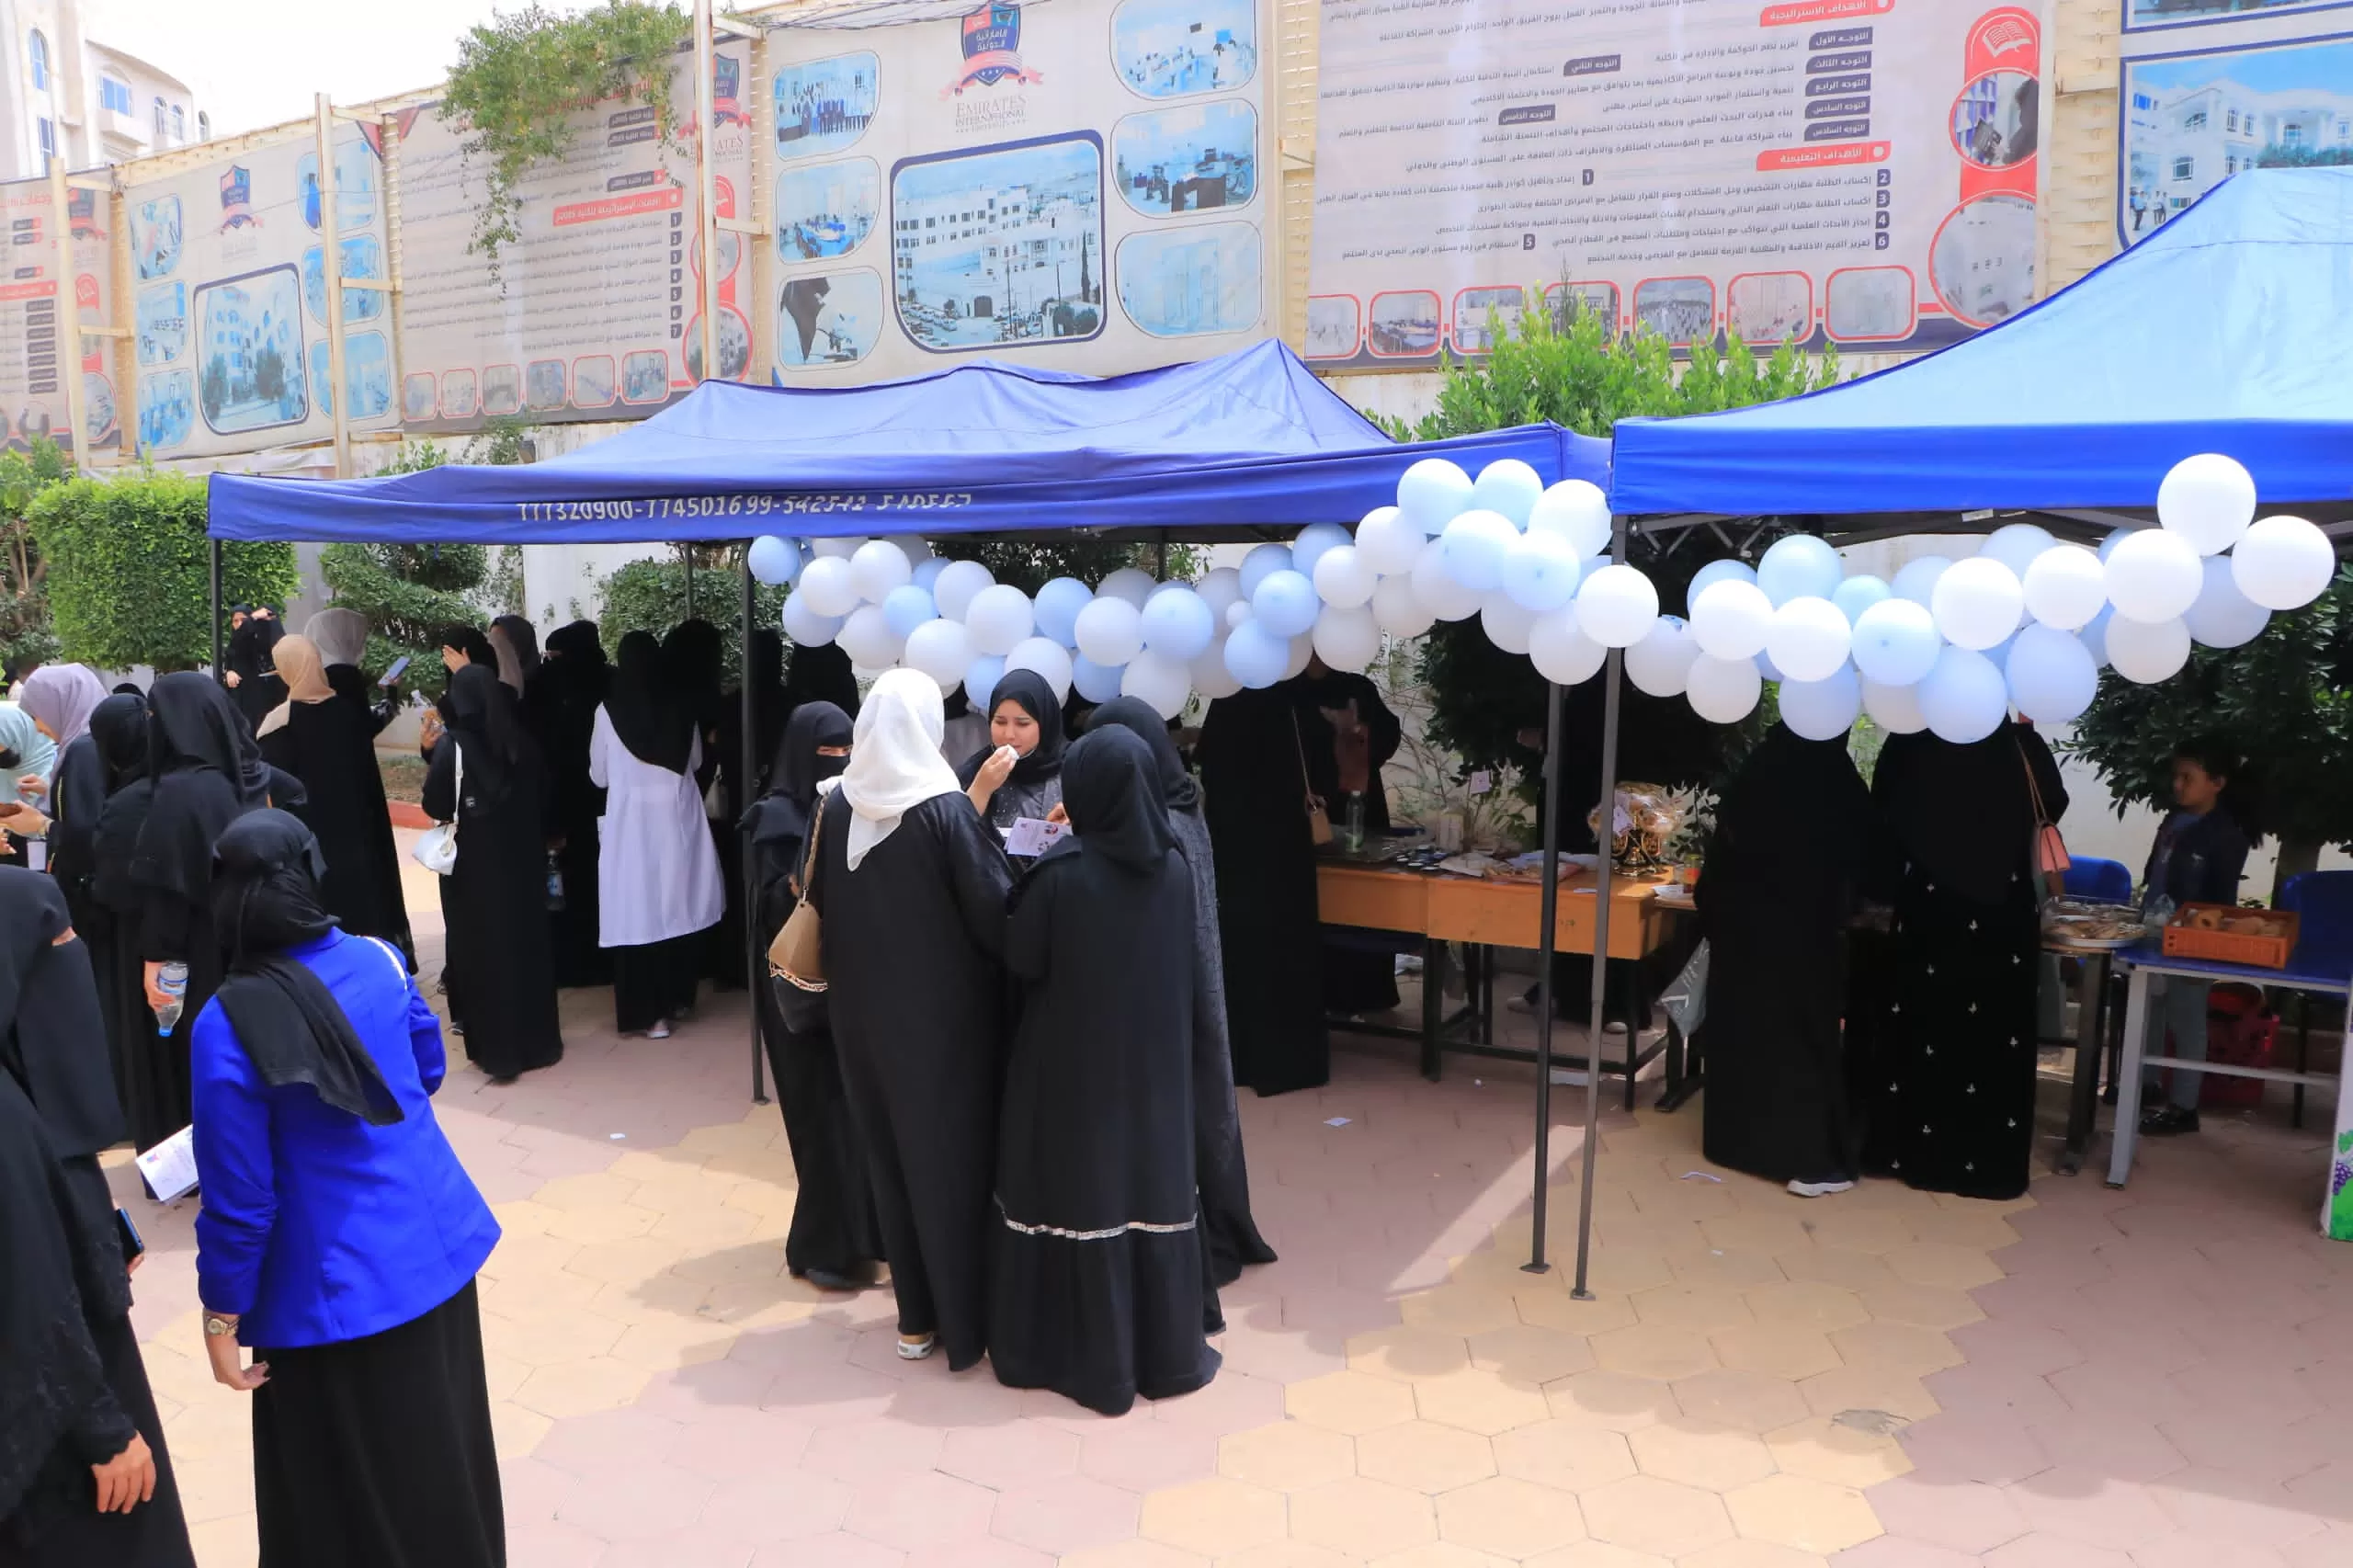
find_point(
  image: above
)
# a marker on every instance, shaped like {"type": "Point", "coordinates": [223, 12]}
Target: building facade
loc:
{"type": "Point", "coordinates": [66, 91]}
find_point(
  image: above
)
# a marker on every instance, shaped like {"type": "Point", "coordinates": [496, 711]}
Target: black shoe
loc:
{"type": "Point", "coordinates": [2167, 1121]}
{"type": "Point", "coordinates": [827, 1279]}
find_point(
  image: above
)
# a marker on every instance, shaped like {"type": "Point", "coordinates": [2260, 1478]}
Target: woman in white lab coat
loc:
{"type": "Point", "coordinates": [657, 875]}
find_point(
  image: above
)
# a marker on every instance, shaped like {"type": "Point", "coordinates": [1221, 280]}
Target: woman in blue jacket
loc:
{"type": "Point", "coordinates": [339, 1237]}
{"type": "Point", "coordinates": [2199, 853]}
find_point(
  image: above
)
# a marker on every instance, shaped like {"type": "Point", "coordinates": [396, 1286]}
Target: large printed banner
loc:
{"type": "Point", "coordinates": [229, 309]}
{"type": "Point", "coordinates": [2211, 87]}
{"type": "Point", "coordinates": [1079, 186]}
{"type": "Point", "coordinates": [597, 311]}
{"type": "Point", "coordinates": [1860, 172]}
{"type": "Point", "coordinates": [37, 291]}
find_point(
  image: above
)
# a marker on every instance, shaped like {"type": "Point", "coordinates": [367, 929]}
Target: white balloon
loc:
{"type": "Point", "coordinates": [1856, 594]}
{"type": "Point", "coordinates": [1729, 618]}
{"type": "Point", "coordinates": [1660, 664]}
{"type": "Point", "coordinates": [773, 561]}
{"type": "Point", "coordinates": [1716, 572]}
{"type": "Point", "coordinates": [1977, 603]}
{"type": "Point", "coordinates": [1964, 697]}
{"type": "Point", "coordinates": [940, 649]}
{"type": "Point", "coordinates": [1445, 595]}
{"type": "Point", "coordinates": [1347, 639]}
{"type": "Point", "coordinates": [2208, 500]}
{"type": "Point", "coordinates": [1388, 540]}
{"type": "Point", "coordinates": [1808, 640]}
{"type": "Point", "coordinates": [1798, 566]}
{"type": "Point", "coordinates": [1110, 631]}
{"type": "Point", "coordinates": [1540, 571]}
{"type": "Point", "coordinates": [908, 607]}
{"type": "Point", "coordinates": [2222, 616]}
{"type": "Point", "coordinates": [2152, 577]}
{"type": "Point", "coordinates": [1399, 609]}
{"type": "Point", "coordinates": [1046, 658]}
{"type": "Point", "coordinates": [2147, 651]}
{"type": "Point", "coordinates": [915, 547]}
{"type": "Point", "coordinates": [1507, 622]}
{"type": "Point", "coordinates": [1576, 510]}
{"type": "Point", "coordinates": [1285, 602]}
{"type": "Point", "coordinates": [805, 625]}
{"type": "Point", "coordinates": [865, 636]}
{"type": "Point", "coordinates": [1177, 623]}
{"type": "Point", "coordinates": [1430, 492]}
{"type": "Point", "coordinates": [1723, 691]}
{"type": "Point", "coordinates": [958, 581]}
{"type": "Point", "coordinates": [1617, 606]}
{"type": "Point", "coordinates": [1473, 547]}
{"type": "Point", "coordinates": [2053, 676]}
{"type": "Point", "coordinates": [998, 618]}
{"type": "Point", "coordinates": [1345, 578]}
{"type": "Point", "coordinates": [1256, 657]}
{"type": "Point", "coordinates": [1561, 649]}
{"type": "Point", "coordinates": [1313, 541]}
{"type": "Point", "coordinates": [928, 573]}
{"type": "Point", "coordinates": [1896, 642]}
{"type": "Point", "coordinates": [2065, 587]}
{"type": "Point", "coordinates": [1210, 676]}
{"type": "Point", "coordinates": [1917, 580]}
{"type": "Point", "coordinates": [1895, 709]}
{"type": "Point", "coordinates": [2016, 545]}
{"type": "Point", "coordinates": [1823, 710]}
{"type": "Point", "coordinates": [880, 566]}
{"type": "Point", "coordinates": [2115, 536]}
{"type": "Point", "coordinates": [837, 549]}
{"type": "Point", "coordinates": [1164, 682]}
{"type": "Point", "coordinates": [1059, 601]}
{"type": "Point", "coordinates": [1262, 563]}
{"type": "Point", "coordinates": [1221, 590]}
{"type": "Point", "coordinates": [1302, 649]}
{"type": "Point", "coordinates": [827, 586]}
{"type": "Point", "coordinates": [2283, 563]}
{"type": "Point", "coordinates": [1509, 487]}
{"type": "Point", "coordinates": [1133, 584]}
{"type": "Point", "coordinates": [1096, 683]}
{"type": "Point", "coordinates": [1236, 613]}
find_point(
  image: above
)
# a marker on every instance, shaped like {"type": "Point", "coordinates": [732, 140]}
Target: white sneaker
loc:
{"type": "Point", "coordinates": [916, 1350]}
{"type": "Point", "coordinates": [1820, 1188]}
{"type": "Point", "coordinates": [661, 1030]}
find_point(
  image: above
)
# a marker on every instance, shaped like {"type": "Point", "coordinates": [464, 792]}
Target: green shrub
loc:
{"type": "Point", "coordinates": [651, 596]}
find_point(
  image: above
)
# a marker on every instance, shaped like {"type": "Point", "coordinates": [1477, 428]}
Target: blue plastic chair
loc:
{"type": "Point", "coordinates": [2324, 901]}
{"type": "Point", "coordinates": [2107, 882]}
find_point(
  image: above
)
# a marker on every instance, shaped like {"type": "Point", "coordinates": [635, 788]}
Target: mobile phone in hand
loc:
{"type": "Point", "coordinates": [133, 1246]}
{"type": "Point", "coordinates": [392, 676]}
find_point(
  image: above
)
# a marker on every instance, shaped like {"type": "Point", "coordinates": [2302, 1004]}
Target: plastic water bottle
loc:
{"type": "Point", "coordinates": [555, 882]}
{"type": "Point", "coordinates": [173, 983]}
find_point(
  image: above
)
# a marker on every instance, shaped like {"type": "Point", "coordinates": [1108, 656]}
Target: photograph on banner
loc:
{"type": "Point", "coordinates": [36, 352]}
{"type": "Point", "coordinates": [2201, 104]}
{"type": "Point", "coordinates": [594, 311]}
{"type": "Point", "coordinates": [229, 312]}
{"type": "Point", "coordinates": [1692, 167]}
{"type": "Point", "coordinates": [1077, 186]}
{"type": "Point", "coordinates": [2151, 15]}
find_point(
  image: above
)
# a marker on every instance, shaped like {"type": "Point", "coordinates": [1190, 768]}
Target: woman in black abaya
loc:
{"type": "Point", "coordinates": [763, 672]}
{"type": "Point", "coordinates": [85, 1477]}
{"type": "Point", "coordinates": [1098, 1286]}
{"type": "Point", "coordinates": [153, 1086]}
{"type": "Point", "coordinates": [1229, 1235]}
{"type": "Point", "coordinates": [1951, 1087]}
{"type": "Point", "coordinates": [911, 886]}
{"type": "Point", "coordinates": [832, 1244]}
{"type": "Point", "coordinates": [820, 672]}
{"type": "Point", "coordinates": [560, 703]}
{"type": "Point", "coordinates": [252, 678]}
{"type": "Point", "coordinates": [341, 638]}
{"type": "Point", "coordinates": [1255, 792]}
{"type": "Point", "coordinates": [1348, 734]}
{"type": "Point", "coordinates": [1025, 715]}
{"type": "Point", "coordinates": [92, 771]}
{"type": "Point", "coordinates": [1778, 883]}
{"type": "Point", "coordinates": [495, 899]}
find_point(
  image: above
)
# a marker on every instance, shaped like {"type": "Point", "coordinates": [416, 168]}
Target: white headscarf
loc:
{"type": "Point", "coordinates": [62, 695]}
{"type": "Point", "coordinates": [341, 636]}
{"type": "Point", "coordinates": [894, 764]}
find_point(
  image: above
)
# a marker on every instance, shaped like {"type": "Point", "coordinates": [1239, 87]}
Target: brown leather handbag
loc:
{"type": "Point", "coordinates": [797, 956]}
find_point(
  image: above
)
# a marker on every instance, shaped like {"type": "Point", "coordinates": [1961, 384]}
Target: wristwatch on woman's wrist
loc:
{"type": "Point", "coordinates": [216, 1326]}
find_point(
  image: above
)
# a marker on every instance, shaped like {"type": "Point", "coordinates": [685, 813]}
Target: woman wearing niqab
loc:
{"type": "Point", "coordinates": [329, 745]}
{"type": "Point", "coordinates": [494, 901]}
{"type": "Point", "coordinates": [560, 703]}
{"type": "Point", "coordinates": [1229, 1235]}
{"type": "Point", "coordinates": [512, 637]}
{"type": "Point", "coordinates": [911, 886]}
{"type": "Point", "coordinates": [764, 675]}
{"type": "Point", "coordinates": [110, 756]}
{"type": "Point", "coordinates": [148, 1075]}
{"type": "Point", "coordinates": [73, 1391]}
{"type": "Point", "coordinates": [832, 1242]}
{"type": "Point", "coordinates": [1098, 1286]}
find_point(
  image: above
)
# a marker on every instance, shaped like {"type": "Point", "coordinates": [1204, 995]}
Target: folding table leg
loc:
{"type": "Point", "coordinates": [1433, 1007]}
{"type": "Point", "coordinates": [2091, 988]}
{"type": "Point", "coordinates": [2128, 1079]}
{"type": "Point", "coordinates": [2303, 1056]}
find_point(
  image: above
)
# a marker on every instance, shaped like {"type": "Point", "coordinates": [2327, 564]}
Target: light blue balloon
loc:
{"type": "Point", "coordinates": [1896, 642]}
{"type": "Point", "coordinates": [774, 561]}
{"type": "Point", "coordinates": [1963, 697]}
{"type": "Point", "coordinates": [2053, 676]}
{"type": "Point", "coordinates": [2000, 652]}
{"type": "Point", "coordinates": [907, 607]}
{"type": "Point", "coordinates": [1799, 567]}
{"type": "Point", "coordinates": [1767, 668]}
{"type": "Point", "coordinates": [1262, 564]}
{"type": "Point", "coordinates": [1057, 606]}
{"type": "Point", "coordinates": [1472, 549]}
{"type": "Point", "coordinates": [1096, 683]}
{"type": "Point", "coordinates": [1431, 493]}
{"type": "Point", "coordinates": [981, 677]}
{"type": "Point", "coordinates": [1313, 541]}
{"type": "Point", "coordinates": [1509, 487]}
{"type": "Point", "coordinates": [1541, 570]}
{"type": "Point", "coordinates": [1177, 623]}
{"type": "Point", "coordinates": [1857, 593]}
{"type": "Point", "coordinates": [928, 573]}
{"type": "Point", "coordinates": [1284, 603]}
{"type": "Point", "coordinates": [1256, 657]}
{"type": "Point", "coordinates": [1715, 572]}
{"type": "Point", "coordinates": [2095, 636]}
{"type": "Point", "coordinates": [1823, 710]}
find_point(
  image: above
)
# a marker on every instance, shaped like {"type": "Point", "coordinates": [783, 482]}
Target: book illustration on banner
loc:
{"type": "Point", "coordinates": [1680, 309]}
{"type": "Point", "coordinates": [98, 405]}
{"type": "Point", "coordinates": [834, 319]}
{"type": "Point", "coordinates": [1187, 159]}
{"type": "Point", "coordinates": [1174, 49]}
{"type": "Point", "coordinates": [502, 391]}
{"type": "Point", "coordinates": [250, 335]}
{"type": "Point", "coordinates": [824, 106]}
{"type": "Point", "coordinates": [162, 323]}
{"type": "Point", "coordinates": [1770, 307]}
{"type": "Point", "coordinates": [367, 371]}
{"type": "Point", "coordinates": [2192, 120]}
{"type": "Point", "coordinates": [1995, 120]}
{"type": "Point", "coordinates": [826, 210]}
{"type": "Point", "coordinates": [735, 344]}
{"type": "Point", "coordinates": [459, 395]}
{"type": "Point", "coordinates": [1000, 245]}
{"type": "Point", "coordinates": [645, 376]}
{"type": "Point", "coordinates": [1868, 304]}
{"type": "Point", "coordinates": [356, 169]}
{"type": "Point", "coordinates": [546, 384]}
{"type": "Point", "coordinates": [1334, 326]}
{"type": "Point", "coordinates": [1404, 322]}
{"type": "Point", "coordinates": [1192, 282]}
{"type": "Point", "coordinates": [363, 256]}
{"type": "Point", "coordinates": [418, 396]}
{"type": "Point", "coordinates": [155, 235]}
{"type": "Point", "coordinates": [1483, 316]}
{"type": "Point", "coordinates": [1981, 263]}
{"type": "Point", "coordinates": [166, 409]}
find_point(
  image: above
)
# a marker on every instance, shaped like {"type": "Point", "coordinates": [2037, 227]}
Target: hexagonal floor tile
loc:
{"type": "Point", "coordinates": [1648, 1350]}
{"type": "Point", "coordinates": [1564, 1456]}
{"type": "Point", "coordinates": [1214, 1517]}
{"type": "Point", "coordinates": [1353, 1403]}
{"type": "Point", "coordinates": [1425, 1456]}
{"type": "Point", "coordinates": [1479, 1401]}
{"type": "Point", "coordinates": [1291, 1455]}
{"type": "Point", "coordinates": [1509, 1517]}
{"type": "Point", "coordinates": [1408, 1352]}
{"type": "Point", "coordinates": [1842, 1455]}
{"type": "Point", "coordinates": [1528, 1355]}
{"type": "Point", "coordinates": [1651, 1514]}
{"type": "Point", "coordinates": [1702, 1454]}
{"type": "Point", "coordinates": [1797, 1511]}
{"type": "Point", "coordinates": [1361, 1517]}
{"type": "Point", "coordinates": [1619, 1402]}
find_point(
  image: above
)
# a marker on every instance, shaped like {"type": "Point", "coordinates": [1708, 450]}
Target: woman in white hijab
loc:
{"type": "Point", "coordinates": [910, 887]}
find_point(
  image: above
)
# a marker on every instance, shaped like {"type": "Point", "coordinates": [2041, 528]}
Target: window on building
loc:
{"type": "Point", "coordinates": [2185, 168]}
{"type": "Point", "coordinates": [179, 123]}
{"type": "Point", "coordinates": [2231, 120]}
{"type": "Point", "coordinates": [46, 133]}
{"type": "Point", "coordinates": [37, 49]}
{"type": "Point", "coordinates": [203, 126]}
{"type": "Point", "coordinates": [2194, 120]}
{"type": "Point", "coordinates": [2292, 136]}
{"type": "Point", "coordinates": [163, 122]}
{"type": "Point", "coordinates": [114, 93]}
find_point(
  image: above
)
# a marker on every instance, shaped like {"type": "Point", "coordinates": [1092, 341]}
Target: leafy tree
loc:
{"type": "Point", "coordinates": [130, 570]}
{"type": "Point", "coordinates": [24, 598]}
{"type": "Point", "coordinates": [1027, 565]}
{"type": "Point", "coordinates": [651, 596]}
{"type": "Point", "coordinates": [2280, 702]}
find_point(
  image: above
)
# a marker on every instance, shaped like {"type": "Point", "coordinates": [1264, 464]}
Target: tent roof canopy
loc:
{"type": "Point", "coordinates": [2230, 329]}
{"type": "Point", "coordinates": [1227, 447]}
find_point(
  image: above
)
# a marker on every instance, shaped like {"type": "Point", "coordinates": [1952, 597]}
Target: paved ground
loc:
{"type": "Point", "coordinates": [2158, 1377]}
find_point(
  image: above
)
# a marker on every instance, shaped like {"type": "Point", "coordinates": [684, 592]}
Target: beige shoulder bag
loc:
{"type": "Point", "coordinates": [797, 956]}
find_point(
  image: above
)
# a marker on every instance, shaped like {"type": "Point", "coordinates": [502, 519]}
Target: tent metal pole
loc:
{"type": "Point", "coordinates": [755, 975]}
{"type": "Point", "coordinates": [1605, 839]}
{"type": "Point", "coordinates": [689, 552]}
{"type": "Point", "coordinates": [217, 670]}
{"type": "Point", "coordinates": [1545, 945]}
